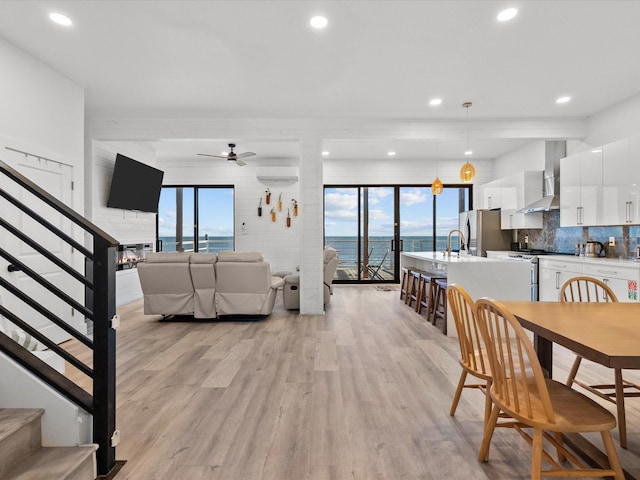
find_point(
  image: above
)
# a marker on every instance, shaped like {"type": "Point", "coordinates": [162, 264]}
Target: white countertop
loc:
{"type": "Point", "coordinates": [619, 262]}
{"type": "Point", "coordinates": [441, 257]}
{"type": "Point", "coordinates": [592, 260]}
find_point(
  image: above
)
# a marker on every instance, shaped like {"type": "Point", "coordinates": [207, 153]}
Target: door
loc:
{"type": "Point", "coordinates": [416, 219]}
{"type": "Point", "coordinates": [55, 178]}
{"type": "Point", "coordinates": [378, 224]}
{"type": "Point", "coordinates": [370, 226]}
{"type": "Point", "coordinates": [361, 224]}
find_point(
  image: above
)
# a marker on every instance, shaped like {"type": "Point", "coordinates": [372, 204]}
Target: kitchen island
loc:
{"type": "Point", "coordinates": [479, 276]}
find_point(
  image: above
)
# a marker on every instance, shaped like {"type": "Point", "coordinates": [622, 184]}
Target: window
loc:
{"type": "Point", "coordinates": [370, 226]}
{"type": "Point", "coordinates": [195, 219]}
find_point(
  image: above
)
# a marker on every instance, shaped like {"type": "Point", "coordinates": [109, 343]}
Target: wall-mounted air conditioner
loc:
{"type": "Point", "coordinates": [277, 176]}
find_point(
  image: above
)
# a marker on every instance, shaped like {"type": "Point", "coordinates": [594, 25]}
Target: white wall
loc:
{"type": "Point", "coordinates": [42, 112]}
{"type": "Point", "coordinates": [528, 157]}
{"type": "Point", "coordinates": [613, 123]}
{"type": "Point", "coordinates": [279, 245]}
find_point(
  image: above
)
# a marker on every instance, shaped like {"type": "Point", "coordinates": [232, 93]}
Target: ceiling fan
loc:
{"type": "Point", "coordinates": [232, 156]}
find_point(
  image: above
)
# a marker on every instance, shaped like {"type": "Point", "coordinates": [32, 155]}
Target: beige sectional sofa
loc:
{"type": "Point", "coordinates": [291, 291]}
{"type": "Point", "coordinates": [207, 285]}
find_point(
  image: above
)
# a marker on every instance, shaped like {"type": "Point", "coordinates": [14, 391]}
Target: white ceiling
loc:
{"type": "Point", "coordinates": [380, 60]}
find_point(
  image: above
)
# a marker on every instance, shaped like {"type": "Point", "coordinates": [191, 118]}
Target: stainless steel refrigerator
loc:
{"type": "Point", "coordinates": [482, 231]}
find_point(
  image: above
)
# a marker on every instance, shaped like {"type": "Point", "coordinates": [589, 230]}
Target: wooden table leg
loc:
{"type": "Point", "coordinates": [590, 453]}
{"type": "Point", "coordinates": [544, 349]}
{"type": "Point", "coordinates": [579, 444]}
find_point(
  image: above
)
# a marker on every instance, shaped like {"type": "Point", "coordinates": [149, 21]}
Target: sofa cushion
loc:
{"type": "Point", "coordinates": [240, 257]}
{"type": "Point", "coordinates": [203, 258]}
{"type": "Point", "coordinates": [329, 253]}
{"type": "Point", "coordinates": [167, 257]}
{"type": "Point", "coordinates": [204, 283]}
{"type": "Point", "coordinates": [167, 286]}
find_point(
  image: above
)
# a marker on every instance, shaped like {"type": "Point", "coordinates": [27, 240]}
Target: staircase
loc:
{"type": "Point", "coordinates": [22, 457]}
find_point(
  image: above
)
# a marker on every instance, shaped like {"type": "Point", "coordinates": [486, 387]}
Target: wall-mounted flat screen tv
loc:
{"type": "Point", "coordinates": [135, 186]}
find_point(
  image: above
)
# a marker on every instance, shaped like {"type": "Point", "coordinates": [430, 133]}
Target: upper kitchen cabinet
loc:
{"type": "Point", "coordinates": [511, 194]}
{"type": "Point", "coordinates": [581, 189]}
{"type": "Point", "coordinates": [620, 182]}
{"type": "Point", "coordinates": [492, 195]}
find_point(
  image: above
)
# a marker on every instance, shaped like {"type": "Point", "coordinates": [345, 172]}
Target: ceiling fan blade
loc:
{"type": "Point", "coordinates": [240, 162]}
{"type": "Point", "coordinates": [208, 155]}
{"type": "Point", "coordinates": [245, 155]}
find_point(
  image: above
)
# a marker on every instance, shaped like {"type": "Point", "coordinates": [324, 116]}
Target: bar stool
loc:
{"type": "Point", "coordinates": [412, 289]}
{"type": "Point", "coordinates": [404, 284]}
{"type": "Point", "coordinates": [427, 287]}
{"type": "Point", "coordinates": [439, 309]}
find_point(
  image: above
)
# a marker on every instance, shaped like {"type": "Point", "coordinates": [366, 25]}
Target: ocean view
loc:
{"type": "Point", "coordinates": [347, 247]}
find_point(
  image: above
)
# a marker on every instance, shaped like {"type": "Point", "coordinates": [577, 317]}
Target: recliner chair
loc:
{"type": "Point", "coordinates": [291, 292]}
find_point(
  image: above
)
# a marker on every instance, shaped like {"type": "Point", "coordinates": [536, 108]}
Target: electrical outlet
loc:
{"type": "Point", "coordinates": [612, 241]}
{"type": "Point", "coordinates": [526, 239]}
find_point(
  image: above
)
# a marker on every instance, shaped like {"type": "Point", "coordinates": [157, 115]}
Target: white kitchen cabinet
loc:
{"type": "Point", "coordinates": [510, 219]}
{"type": "Point", "coordinates": [492, 195]}
{"type": "Point", "coordinates": [622, 280]}
{"type": "Point", "coordinates": [621, 276]}
{"type": "Point", "coordinates": [581, 189]}
{"type": "Point", "coordinates": [513, 193]}
{"type": "Point", "coordinates": [620, 182]}
{"type": "Point", "coordinates": [552, 273]}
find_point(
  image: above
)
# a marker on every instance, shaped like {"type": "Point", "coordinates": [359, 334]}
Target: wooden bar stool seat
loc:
{"type": "Point", "coordinates": [404, 284]}
{"type": "Point", "coordinates": [412, 289]}
{"type": "Point", "coordinates": [439, 309]}
{"type": "Point", "coordinates": [427, 287]}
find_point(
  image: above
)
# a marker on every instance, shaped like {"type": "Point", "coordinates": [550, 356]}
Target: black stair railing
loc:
{"type": "Point", "coordinates": [99, 283]}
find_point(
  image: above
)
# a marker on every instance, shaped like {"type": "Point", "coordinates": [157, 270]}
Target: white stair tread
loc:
{"type": "Point", "coordinates": [13, 419]}
{"type": "Point", "coordinates": [51, 462]}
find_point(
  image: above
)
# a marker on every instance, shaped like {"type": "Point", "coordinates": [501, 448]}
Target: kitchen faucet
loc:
{"type": "Point", "coordinates": [449, 240]}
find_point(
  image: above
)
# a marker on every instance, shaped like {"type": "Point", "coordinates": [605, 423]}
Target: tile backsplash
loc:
{"type": "Point", "coordinates": [553, 237]}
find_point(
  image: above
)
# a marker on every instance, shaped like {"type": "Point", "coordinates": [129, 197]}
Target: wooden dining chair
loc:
{"type": "Point", "coordinates": [550, 408]}
{"type": "Point", "coordinates": [588, 289]}
{"type": "Point", "coordinates": [473, 354]}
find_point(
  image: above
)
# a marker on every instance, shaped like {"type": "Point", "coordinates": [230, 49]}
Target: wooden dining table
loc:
{"type": "Point", "coordinates": [605, 333]}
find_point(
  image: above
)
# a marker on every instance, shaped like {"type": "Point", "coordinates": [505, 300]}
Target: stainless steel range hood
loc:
{"type": "Point", "coordinates": [553, 152]}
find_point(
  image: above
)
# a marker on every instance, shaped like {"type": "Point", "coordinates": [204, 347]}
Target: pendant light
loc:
{"type": "Point", "coordinates": [467, 172]}
{"type": "Point", "coordinates": [436, 186]}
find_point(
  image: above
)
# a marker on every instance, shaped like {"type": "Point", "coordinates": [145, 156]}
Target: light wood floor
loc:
{"type": "Point", "coordinates": [360, 393]}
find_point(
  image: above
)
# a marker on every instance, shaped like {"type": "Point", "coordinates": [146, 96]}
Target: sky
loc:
{"type": "Point", "coordinates": [216, 218]}
{"type": "Point", "coordinates": [416, 211]}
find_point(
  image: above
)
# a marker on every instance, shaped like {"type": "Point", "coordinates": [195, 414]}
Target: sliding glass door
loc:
{"type": "Point", "coordinates": [370, 226]}
{"type": "Point", "coordinates": [195, 219]}
{"type": "Point", "coordinates": [360, 223]}
{"type": "Point", "coordinates": [377, 222]}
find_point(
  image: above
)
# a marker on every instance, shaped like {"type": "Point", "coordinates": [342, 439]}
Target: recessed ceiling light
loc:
{"type": "Point", "coordinates": [435, 101]}
{"type": "Point", "coordinates": [319, 22]}
{"type": "Point", "coordinates": [468, 152]}
{"type": "Point", "coordinates": [597, 150]}
{"type": "Point", "coordinates": [391, 154]}
{"type": "Point", "coordinates": [325, 153]}
{"type": "Point", "coordinates": [60, 19]}
{"type": "Point", "coordinates": [507, 14]}
{"type": "Point", "coordinates": [563, 99]}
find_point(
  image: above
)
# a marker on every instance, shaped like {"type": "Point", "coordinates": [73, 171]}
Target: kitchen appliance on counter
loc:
{"type": "Point", "coordinates": [482, 231]}
{"type": "Point", "coordinates": [593, 249]}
